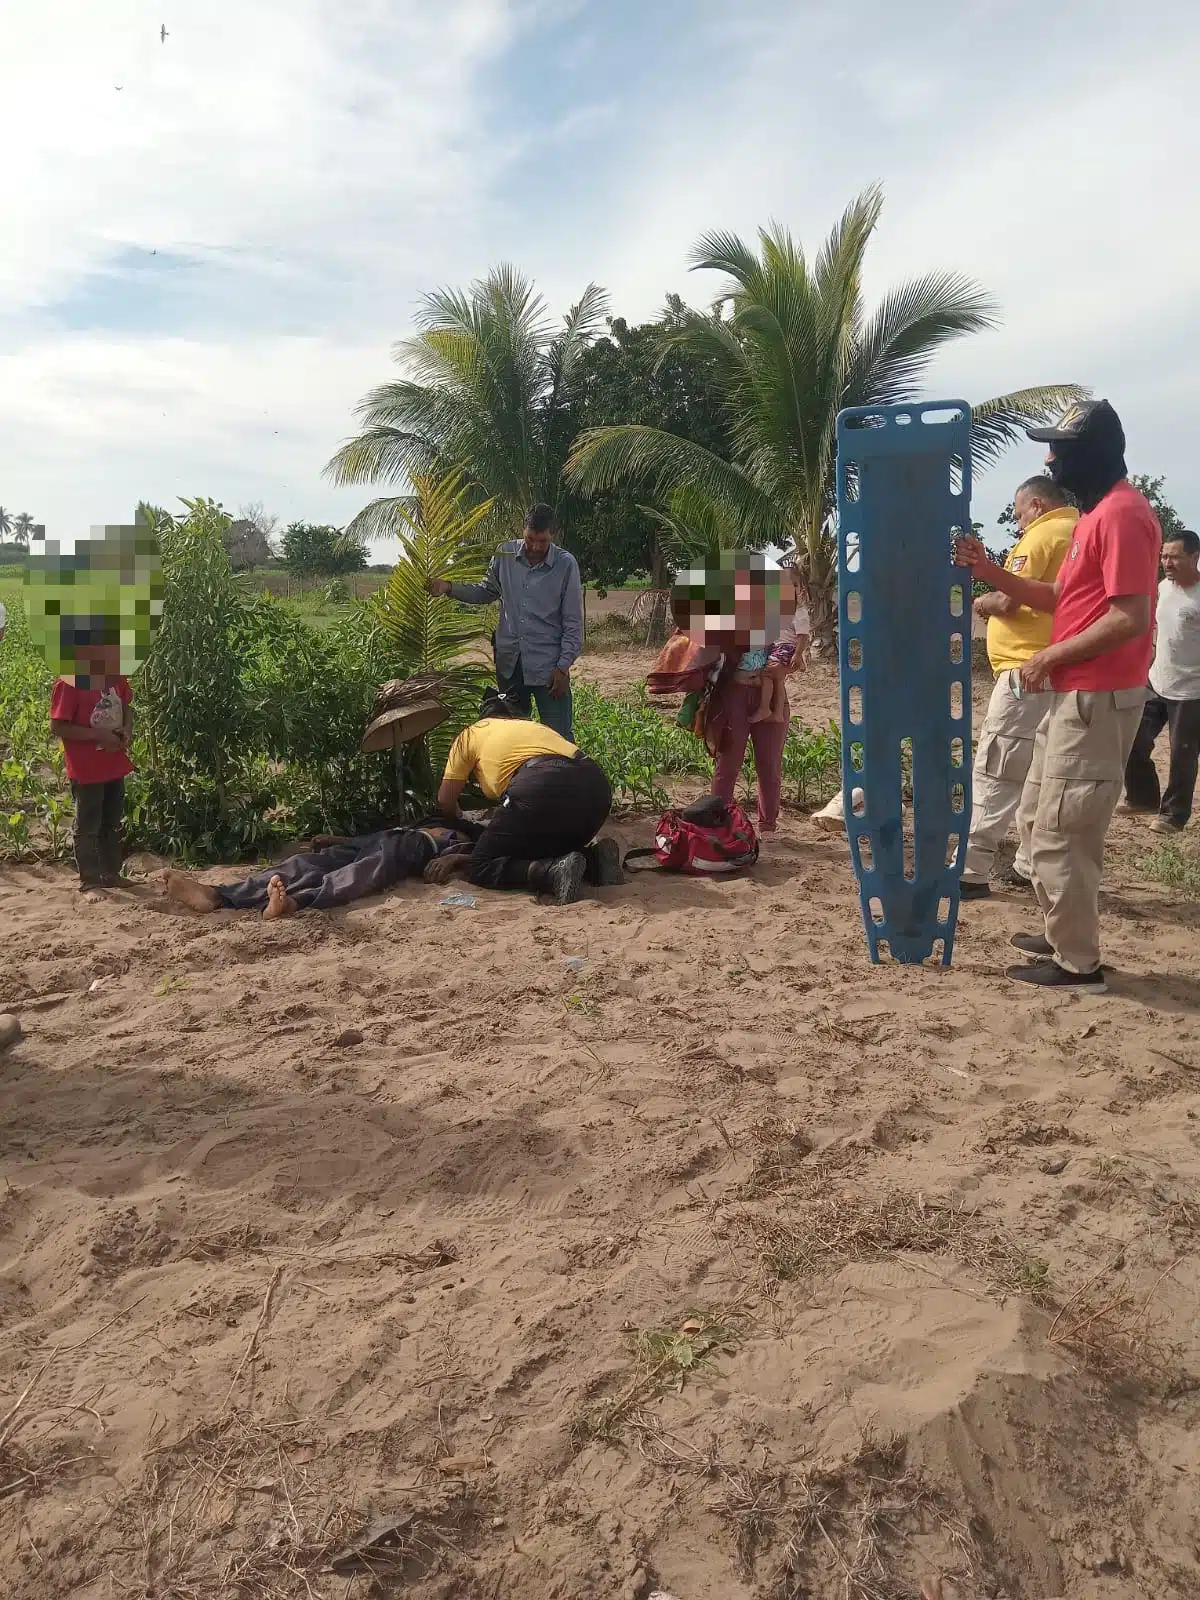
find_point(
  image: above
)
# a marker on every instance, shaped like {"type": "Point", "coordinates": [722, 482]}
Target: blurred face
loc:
{"type": "Point", "coordinates": [536, 545]}
{"type": "Point", "coordinates": [1179, 566]}
{"type": "Point", "coordinates": [1027, 508]}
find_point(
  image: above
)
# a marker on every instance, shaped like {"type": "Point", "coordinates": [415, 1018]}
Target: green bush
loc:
{"type": "Point", "coordinates": [1176, 864]}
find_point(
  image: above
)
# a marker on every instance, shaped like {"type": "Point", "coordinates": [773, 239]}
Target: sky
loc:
{"type": "Point", "coordinates": [209, 244]}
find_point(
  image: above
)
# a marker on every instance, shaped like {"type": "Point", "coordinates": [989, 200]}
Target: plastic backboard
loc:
{"type": "Point", "coordinates": [903, 493]}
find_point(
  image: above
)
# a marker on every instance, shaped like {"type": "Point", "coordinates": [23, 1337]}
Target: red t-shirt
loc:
{"type": "Point", "coordinates": [1114, 552]}
{"type": "Point", "coordinates": [92, 708]}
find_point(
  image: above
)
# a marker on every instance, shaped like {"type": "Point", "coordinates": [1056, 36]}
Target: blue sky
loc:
{"type": "Point", "coordinates": [203, 269]}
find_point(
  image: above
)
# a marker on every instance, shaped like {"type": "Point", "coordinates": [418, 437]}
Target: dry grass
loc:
{"type": "Point", "coordinates": [663, 1359]}
{"type": "Point", "coordinates": [836, 1230]}
{"type": "Point", "coordinates": [242, 1509]}
{"type": "Point", "coordinates": [845, 1527]}
{"type": "Point", "coordinates": [1109, 1328]}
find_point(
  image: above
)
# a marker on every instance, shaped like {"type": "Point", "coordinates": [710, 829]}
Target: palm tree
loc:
{"type": "Point", "coordinates": [491, 386]}
{"type": "Point", "coordinates": [792, 344]}
{"type": "Point", "coordinates": [5, 524]}
{"type": "Point", "coordinates": [22, 527]}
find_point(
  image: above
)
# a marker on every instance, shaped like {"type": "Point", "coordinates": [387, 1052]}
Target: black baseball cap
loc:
{"type": "Point", "coordinates": [1092, 421]}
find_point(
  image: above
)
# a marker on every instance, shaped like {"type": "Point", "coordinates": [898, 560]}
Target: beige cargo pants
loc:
{"type": "Point", "coordinates": [1074, 783]}
{"type": "Point", "coordinates": [1003, 758]}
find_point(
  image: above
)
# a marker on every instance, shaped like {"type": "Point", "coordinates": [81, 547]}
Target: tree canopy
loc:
{"type": "Point", "coordinates": [313, 549]}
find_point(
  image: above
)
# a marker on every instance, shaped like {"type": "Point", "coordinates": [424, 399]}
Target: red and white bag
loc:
{"type": "Point", "coordinates": [724, 841]}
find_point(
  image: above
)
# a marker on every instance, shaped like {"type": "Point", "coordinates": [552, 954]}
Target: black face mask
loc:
{"type": "Point", "coordinates": [1086, 470]}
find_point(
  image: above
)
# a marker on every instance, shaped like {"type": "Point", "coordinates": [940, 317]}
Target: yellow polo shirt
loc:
{"type": "Point", "coordinates": [494, 748]}
{"type": "Point", "coordinates": [1037, 554]}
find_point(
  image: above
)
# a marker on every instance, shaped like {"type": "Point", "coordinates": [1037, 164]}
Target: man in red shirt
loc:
{"type": "Point", "coordinates": [1096, 666]}
{"type": "Point", "coordinates": [93, 718]}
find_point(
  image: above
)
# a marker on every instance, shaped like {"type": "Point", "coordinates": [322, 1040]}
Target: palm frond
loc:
{"type": "Point", "coordinates": [693, 530]}
{"type": "Point", "coordinates": [1000, 422]}
{"type": "Point", "coordinates": [912, 322]}
{"type": "Point", "coordinates": [438, 527]}
{"type": "Point", "coordinates": [659, 463]}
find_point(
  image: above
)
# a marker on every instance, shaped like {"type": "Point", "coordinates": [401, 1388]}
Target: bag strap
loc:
{"type": "Point", "coordinates": [634, 855]}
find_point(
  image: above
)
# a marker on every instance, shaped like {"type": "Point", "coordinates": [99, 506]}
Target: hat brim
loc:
{"type": "Point", "coordinates": [398, 727]}
{"type": "Point", "coordinates": [1048, 435]}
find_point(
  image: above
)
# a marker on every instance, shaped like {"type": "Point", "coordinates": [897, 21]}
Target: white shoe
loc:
{"type": "Point", "coordinates": [832, 818]}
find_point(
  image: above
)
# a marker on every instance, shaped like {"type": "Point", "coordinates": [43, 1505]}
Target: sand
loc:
{"type": "Point", "coordinates": [655, 1242]}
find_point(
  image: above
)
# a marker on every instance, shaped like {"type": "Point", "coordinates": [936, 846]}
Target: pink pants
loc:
{"type": "Point", "coordinates": [768, 739]}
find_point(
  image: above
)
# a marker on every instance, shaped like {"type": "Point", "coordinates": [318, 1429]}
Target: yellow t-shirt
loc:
{"type": "Point", "coordinates": [494, 748]}
{"type": "Point", "coordinates": [1037, 554]}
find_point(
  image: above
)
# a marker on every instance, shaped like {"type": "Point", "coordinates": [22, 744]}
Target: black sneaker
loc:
{"type": "Point", "coordinates": [1033, 944]}
{"type": "Point", "coordinates": [1010, 878]}
{"type": "Point", "coordinates": [564, 876]}
{"type": "Point", "coordinates": [604, 864]}
{"type": "Point", "coordinates": [973, 891]}
{"type": "Point", "coordinates": [1049, 975]}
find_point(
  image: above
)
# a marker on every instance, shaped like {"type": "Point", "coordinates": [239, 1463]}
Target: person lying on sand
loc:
{"type": "Point", "coordinates": [333, 873]}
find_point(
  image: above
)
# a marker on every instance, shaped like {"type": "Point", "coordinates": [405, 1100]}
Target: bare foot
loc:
{"type": "Point", "coordinates": [760, 716]}
{"type": "Point", "coordinates": [279, 901]}
{"type": "Point", "coordinates": [186, 891]}
{"type": "Point", "coordinates": [767, 827]}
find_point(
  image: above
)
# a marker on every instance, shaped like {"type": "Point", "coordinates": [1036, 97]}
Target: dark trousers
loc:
{"type": "Point", "coordinates": [555, 712]}
{"type": "Point", "coordinates": [99, 848]}
{"type": "Point", "coordinates": [554, 805]}
{"type": "Point", "coordinates": [339, 874]}
{"type": "Point", "coordinates": [1182, 719]}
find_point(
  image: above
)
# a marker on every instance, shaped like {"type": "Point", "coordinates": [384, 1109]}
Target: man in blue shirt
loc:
{"type": "Point", "coordinates": [540, 633]}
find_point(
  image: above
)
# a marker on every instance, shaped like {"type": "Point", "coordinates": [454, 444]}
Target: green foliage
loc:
{"type": "Point", "coordinates": [34, 805]}
{"type": "Point", "coordinates": [637, 745]}
{"type": "Point", "coordinates": [1169, 519]}
{"type": "Point", "coordinates": [1176, 864]}
{"type": "Point", "coordinates": [635, 376]}
{"type": "Point", "coordinates": [313, 549]}
{"type": "Point", "coordinates": [790, 344]}
{"type": "Point", "coordinates": [444, 533]}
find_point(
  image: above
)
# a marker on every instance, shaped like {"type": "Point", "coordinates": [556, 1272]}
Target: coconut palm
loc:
{"type": "Point", "coordinates": [5, 524]}
{"type": "Point", "coordinates": [491, 386]}
{"type": "Point", "coordinates": [792, 344]}
{"type": "Point", "coordinates": [22, 527]}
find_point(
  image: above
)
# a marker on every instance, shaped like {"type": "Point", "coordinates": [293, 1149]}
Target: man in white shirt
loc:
{"type": "Point", "coordinates": [1174, 701]}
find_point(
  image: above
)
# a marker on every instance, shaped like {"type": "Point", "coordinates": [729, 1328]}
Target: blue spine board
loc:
{"type": "Point", "coordinates": [904, 610]}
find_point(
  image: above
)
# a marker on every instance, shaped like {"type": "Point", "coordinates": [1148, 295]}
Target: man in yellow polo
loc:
{"type": "Point", "coordinates": [1014, 633]}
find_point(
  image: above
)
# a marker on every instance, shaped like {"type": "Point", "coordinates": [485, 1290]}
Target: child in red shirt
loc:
{"type": "Point", "coordinates": [93, 718]}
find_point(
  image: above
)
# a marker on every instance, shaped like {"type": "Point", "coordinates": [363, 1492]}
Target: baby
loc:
{"type": "Point", "coordinates": [770, 665]}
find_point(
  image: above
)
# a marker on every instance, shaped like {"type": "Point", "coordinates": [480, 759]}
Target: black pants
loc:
{"type": "Point", "coordinates": [554, 805]}
{"type": "Point", "coordinates": [99, 848]}
{"type": "Point", "coordinates": [1182, 718]}
{"type": "Point", "coordinates": [339, 874]}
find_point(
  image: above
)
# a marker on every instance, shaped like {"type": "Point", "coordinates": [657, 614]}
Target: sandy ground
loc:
{"type": "Point", "coordinates": [654, 1243]}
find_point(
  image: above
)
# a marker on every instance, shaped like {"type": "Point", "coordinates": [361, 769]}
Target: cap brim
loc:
{"type": "Point", "coordinates": [1047, 435]}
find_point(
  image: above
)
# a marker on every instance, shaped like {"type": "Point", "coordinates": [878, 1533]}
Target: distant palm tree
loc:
{"type": "Point", "coordinates": [5, 524]}
{"type": "Point", "coordinates": [22, 527]}
{"type": "Point", "coordinates": [792, 344]}
{"type": "Point", "coordinates": [491, 387]}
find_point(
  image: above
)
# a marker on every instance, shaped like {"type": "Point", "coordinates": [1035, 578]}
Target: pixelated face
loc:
{"type": "Point", "coordinates": [93, 611]}
{"type": "Point", "coordinates": [737, 603]}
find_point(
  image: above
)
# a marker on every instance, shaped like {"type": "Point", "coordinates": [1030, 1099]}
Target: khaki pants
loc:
{"type": "Point", "coordinates": [1079, 756]}
{"type": "Point", "coordinates": [1002, 761]}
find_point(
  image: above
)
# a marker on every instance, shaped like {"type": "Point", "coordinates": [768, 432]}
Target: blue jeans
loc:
{"type": "Point", "coordinates": [554, 712]}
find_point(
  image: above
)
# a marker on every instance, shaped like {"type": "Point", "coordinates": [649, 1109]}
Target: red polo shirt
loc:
{"type": "Point", "coordinates": [1114, 552]}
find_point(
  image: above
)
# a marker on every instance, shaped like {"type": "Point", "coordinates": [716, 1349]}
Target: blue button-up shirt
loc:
{"type": "Point", "coordinates": [541, 610]}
